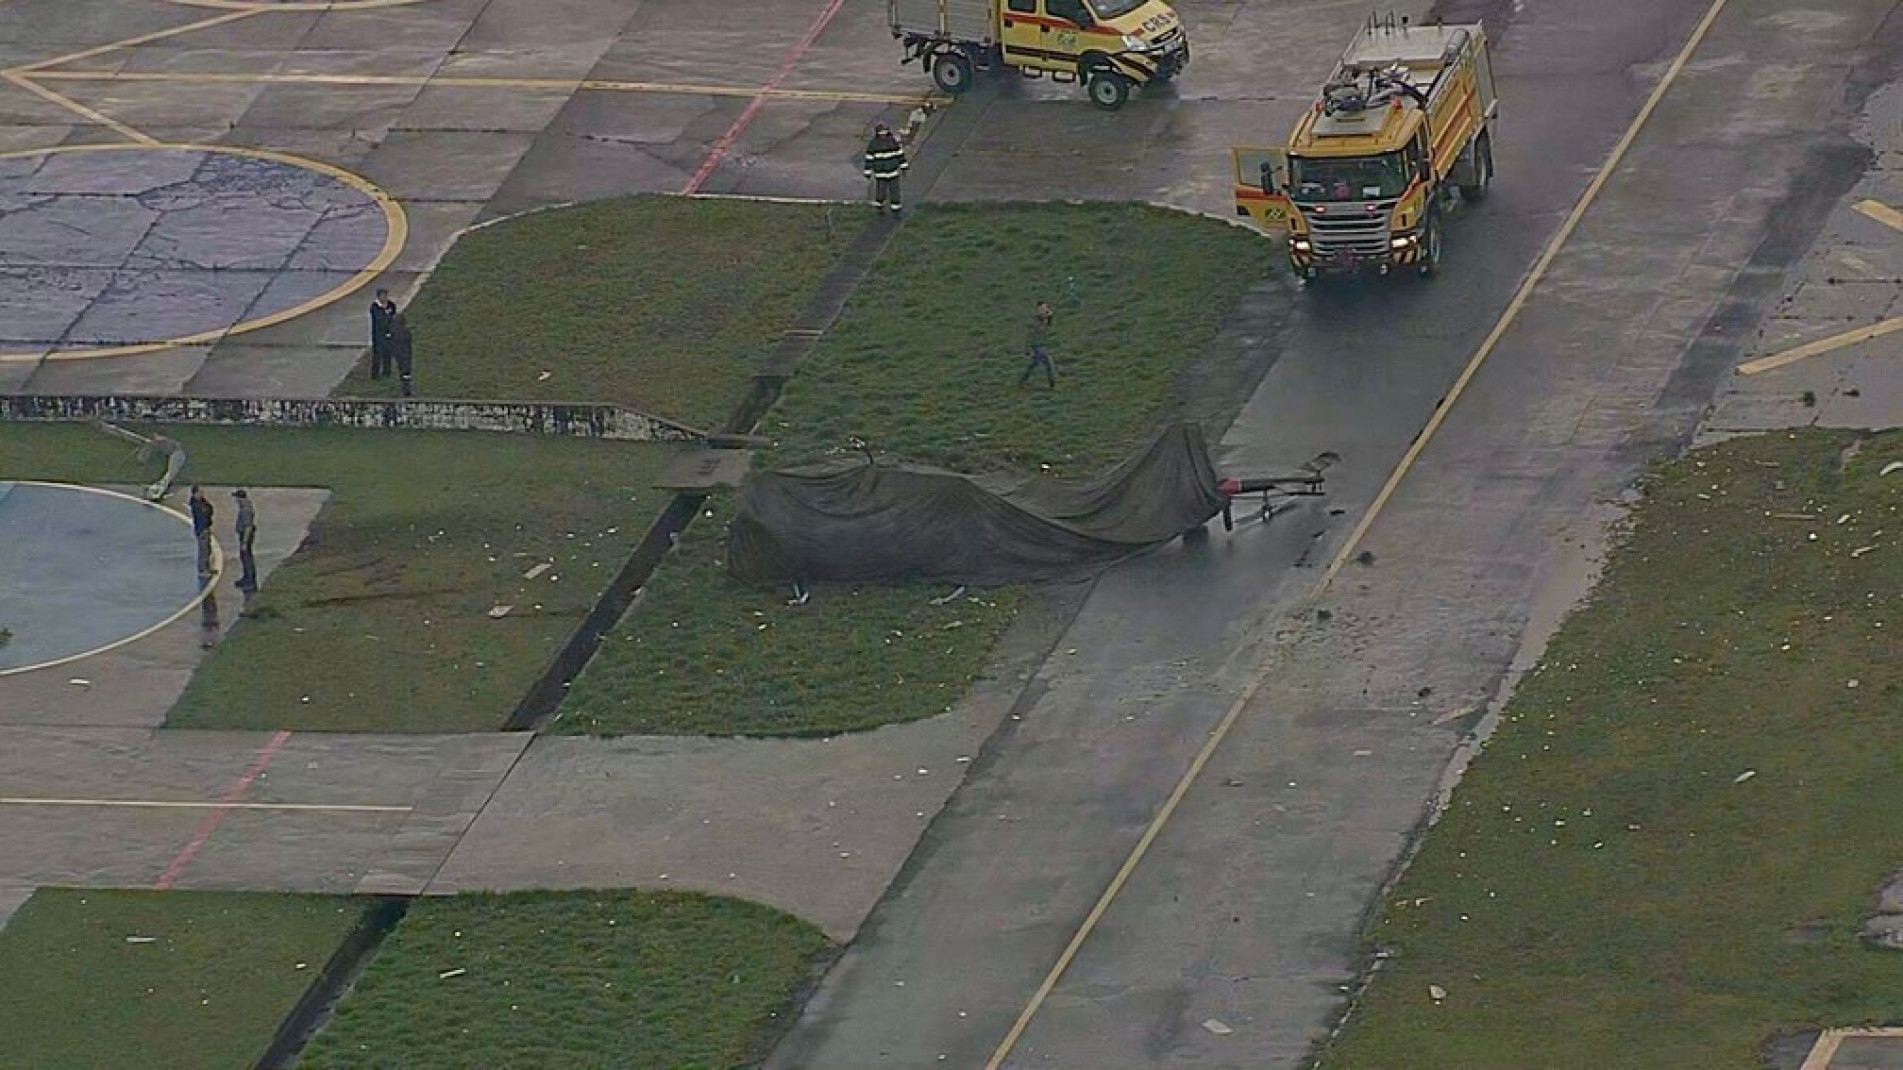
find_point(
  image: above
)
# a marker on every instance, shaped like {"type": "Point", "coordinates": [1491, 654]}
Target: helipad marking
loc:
{"type": "Point", "coordinates": [477, 82]}
{"type": "Point", "coordinates": [1260, 674]}
{"type": "Point", "coordinates": [1889, 217]}
{"type": "Point", "coordinates": [204, 590]}
{"type": "Point", "coordinates": [130, 42]}
{"type": "Point", "coordinates": [168, 804]}
{"type": "Point", "coordinates": [1820, 347]}
{"type": "Point", "coordinates": [396, 231]}
{"type": "Point", "coordinates": [75, 106]}
{"type": "Point", "coordinates": [1881, 212]}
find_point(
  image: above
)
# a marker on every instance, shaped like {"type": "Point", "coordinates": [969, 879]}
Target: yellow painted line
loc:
{"type": "Point", "coordinates": [204, 592]}
{"type": "Point", "coordinates": [255, 6]}
{"type": "Point", "coordinates": [79, 109]}
{"type": "Point", "coordinates": [1881, 212]}
{"type": "Point", "coordinates": [142, 39]}
{"type": "Point", "coordinates": [1824, 1050]}
{"type": "Point", "coordinates": [161, 804]}
{"type": "Point", "coordinates": [1261, 675]}
{"type": "Point", "coordinates": [1820, 347]}
{"type": "Point", "coordinates": [396, 232]}
{"type": "Point", "coordinates": [479, 82]}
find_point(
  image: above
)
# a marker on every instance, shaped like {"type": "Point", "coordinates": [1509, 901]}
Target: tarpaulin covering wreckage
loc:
{"type": "Point", "coordinates": [860, 522]}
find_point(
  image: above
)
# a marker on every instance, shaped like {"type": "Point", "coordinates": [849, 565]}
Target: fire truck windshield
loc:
{"type": "Point", "coordinates": [1354, 178]}
{"type": "Point", "coordinates": [1116, 9]}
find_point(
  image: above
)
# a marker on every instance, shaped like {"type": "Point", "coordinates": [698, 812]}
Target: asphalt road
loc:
{"type": "Point", "coordinates": [1246, 911]}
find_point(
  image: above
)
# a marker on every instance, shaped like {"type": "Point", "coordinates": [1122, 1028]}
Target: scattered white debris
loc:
{"type": "Point", "coordinates": [79, 681]}
{"type": "Point", "coordinates": [1217, 1027]}
{"type": "Point", "coordinates": [142, 939]}
{"type": "Point", "coordinates": [1744, 776]}
{"type": "Point", "coordinates": [1850, 683]}
{"type": "Point", "coordinates": [1893, 466]}
{"type": "Point", "coordinates": [1436, 993]}
{"type": "Point", "coordinates": [1861, 550]}
{"type": "Point", "coordinates": [447, 974]}
{"type": "Point", "coordinates": [300, 966]}
{"type": "Point", "coordinates": [544, 377]}
{"type": "Point", "coordinates": [538, 570]}
{"type": "Point", "coordinates": [500, 611]}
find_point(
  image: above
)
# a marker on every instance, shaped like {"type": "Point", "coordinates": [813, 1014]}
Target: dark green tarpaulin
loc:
{"type": "Point", "coordinates": [854, 521]}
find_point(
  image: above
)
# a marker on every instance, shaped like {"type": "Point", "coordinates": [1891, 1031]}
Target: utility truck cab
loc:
{"type": "Point", "coordinates": [1366, 180]}
{"type": "Point", "coordinates": [1109, 46]}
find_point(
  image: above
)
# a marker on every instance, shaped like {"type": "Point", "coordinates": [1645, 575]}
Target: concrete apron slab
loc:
{"type": "Point", "coordinates": [1857, 265]}
{"type": "Point", "coordinates": [225, 810]}
{"type": "Point", "coordinates": [818, 828]}
{"type": "Point", "coordinates": [136, 683]}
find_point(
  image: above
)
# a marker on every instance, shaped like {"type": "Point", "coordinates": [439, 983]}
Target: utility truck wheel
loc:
{"type": "Point", "coordinates": [1483, 171]}
{"type": "Point", "coordinates": [1109, 90]}
{"type": "Point", "coordinates": [1430, 248]}
{"type": "Point", "coordinates": [952, 72]}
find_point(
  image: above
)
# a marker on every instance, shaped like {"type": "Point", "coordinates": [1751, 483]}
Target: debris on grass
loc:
{"type": "Point", "coordinates": [1217, 1026]}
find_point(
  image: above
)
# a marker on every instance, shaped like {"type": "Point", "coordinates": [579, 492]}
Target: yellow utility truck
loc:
{"type": "Point", "coordinates": [1366, 180]}
{"type": "Point", "coordinates": [1110, 46]}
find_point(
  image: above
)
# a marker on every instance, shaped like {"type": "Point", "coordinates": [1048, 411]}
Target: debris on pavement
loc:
{"type": "Point", "coordinates": [1217, 1027]}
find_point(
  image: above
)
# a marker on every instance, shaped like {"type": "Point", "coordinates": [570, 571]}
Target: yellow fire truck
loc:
{"type": "Point", "coordinates": [1365, 182]}
{"type": "Point", "coordinates": [1111, 46]}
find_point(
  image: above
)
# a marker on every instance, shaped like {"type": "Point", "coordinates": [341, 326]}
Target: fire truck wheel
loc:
{"type": "Point", "coordinates": [1483, 171]}
{"type": "Point", "coordinates": [952, 72]}
{"type": "Point", "coordinates": [1109, 90]}
{"type": "Point", "coordinates": [1430, 248]}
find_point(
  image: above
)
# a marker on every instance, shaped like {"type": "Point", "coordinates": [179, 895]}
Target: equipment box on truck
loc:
{"type": "Point", "coordinates": [1111, 46]}
{"type": "Point", "coordinates": [1365, 181]}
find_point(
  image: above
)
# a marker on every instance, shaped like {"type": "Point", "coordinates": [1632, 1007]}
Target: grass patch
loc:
{"type": "Point", "coordinates": [1605, 890]}
{"type": "Point", "coordinates": [573, 979]}
{"type": "Point", "coordinates": [662, 304]}
{"type": "Point", "coordinates": [206, 993]}
{"type": "Point", "coordinates": [380, 622]}
{"type": "Point", "coordinates": [924, 365]}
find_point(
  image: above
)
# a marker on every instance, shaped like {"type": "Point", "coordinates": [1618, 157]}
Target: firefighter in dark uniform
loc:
{"type": "Point", "coordinates": [885, 162]}
{"type": "Point", "coordinates": [381, 311]}
{"type": "Point", "coordinates": [400, 352]}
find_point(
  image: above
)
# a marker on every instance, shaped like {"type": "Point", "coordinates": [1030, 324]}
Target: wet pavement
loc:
{"type": "Point", "coordinates": [1246, 909]}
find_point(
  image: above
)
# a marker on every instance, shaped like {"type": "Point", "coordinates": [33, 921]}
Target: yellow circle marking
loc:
{"type": "Point", "coordinates": [296, 5]}
{"type": "Point", "coordinates": [204, 590]}
{"type": "Point", "coordinates": [396, 229]}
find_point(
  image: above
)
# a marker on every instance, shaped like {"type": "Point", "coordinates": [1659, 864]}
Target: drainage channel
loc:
{"type": "Point", "coordinates": [346, 964]}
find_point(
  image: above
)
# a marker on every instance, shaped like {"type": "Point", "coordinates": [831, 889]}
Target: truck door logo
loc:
{"type": "Point", "coordinates": [1067, 40]}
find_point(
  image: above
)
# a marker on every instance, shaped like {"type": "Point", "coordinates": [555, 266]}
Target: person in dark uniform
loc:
{"type": "Point", "coordinates": [382, 312]}
{"type": "Point", "coordinates": [247, 530]}
{"type": "Point", "coordinates": [201, 529]}
{"type": "Point", "coordinates": [885, 162]}
{"type": "Point", "coordinates": [400, 351]}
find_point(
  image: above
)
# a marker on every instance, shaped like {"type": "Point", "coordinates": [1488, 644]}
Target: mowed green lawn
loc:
{"type": "Point", "coordinates": [1665, 853]}
{"type": "Point", "coordinates": [924, 365]}
{"type": "Point", "coordinates": [576, 980]}
{"type": "Point", "coordinates": [662, 304]}
{"type": "Point", "coordinates": [117, 980]}
{"type": "Point", "coordinates": [381, 622]}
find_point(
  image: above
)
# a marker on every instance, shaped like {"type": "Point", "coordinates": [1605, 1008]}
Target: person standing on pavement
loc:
{"type": "Point", "coordinates": [1038, 341]}
{"type": "Point", "coordinates": [201, 529]}
{"type": "Point", "coordinates": [885, 162]}
{"type": "Point", "coordinates": [400, 351]}
{"type": "Point", "coordinates": [382, 313]}
{"type": "Point", "coordinates": [247, 529]}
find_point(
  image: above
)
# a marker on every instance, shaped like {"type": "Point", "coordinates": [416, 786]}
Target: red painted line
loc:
{"type": "Point", "coordinates": [217, 817]}
{"type": "Point", "coordinates": [793, 56]}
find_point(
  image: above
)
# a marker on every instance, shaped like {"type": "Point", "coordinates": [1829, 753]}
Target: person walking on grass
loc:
{"type": "Point", "coordinates": [885, 162]}
{"type": "Point", "coordinates": [201, 529]}
{"type": "Point", "coordinates": [382, 312]}
{"type": "Point", "coordinates": [1038, 341]}
{"type": "Point", "coordinates": [247, 529]}
{"type": "Point", "coordinates": [400, 352]}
